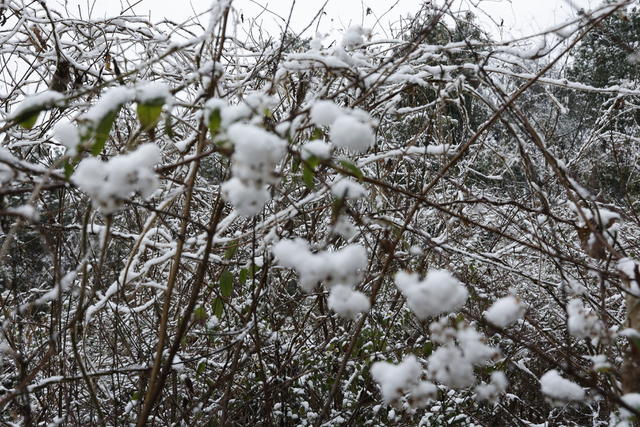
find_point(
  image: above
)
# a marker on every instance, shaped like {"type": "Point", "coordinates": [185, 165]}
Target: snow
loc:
{"type": "Point", "coordinates": [346, 188]}
{"type": "Point", "coordinates": [43, 382]}
{"type": "Point", "coordinates": [153, 93]}
{"type": "Point", "coordinates": [25, 211]}
{"type": "Point", "coordinates": [110, 183]}
{"type": "Point", "coordinates": [248, 200]}
{"type": "Point", "coordinates": [347, 302]}
{"type": "Point", "coordinates": [438, 293]}
{"type": "Point", "coordinates": [633, 400]}
{"type": "Point", "coordinates": [491, 391]}
{"type": "Point", "coordinates": [505, 311]}
{"type": "Point", "coordinates": [6, 173]}
{"type": "Point", "coordinates": [342, 266]}
{"type": "Point", "coordinates": [447, 365]}
{"type": "Point", "coordinates": [324, 113]}
{"type": "Point", "coordinates": [560, 389]}
{"type": "Point", "coordinates": [256, 154]}
{"type": "Point", "coordinates": [629, 268]}
{"type": "Point", "coordinates": [108, 103]}
{"type": "Point", "coordinates": [316, 148]}
{"type": "Point", "coordinates": [345, 228]}
{"type": "Point", "coordinates": [67, 134]}
{"type": "Point", "coordinates": [463, 348]}
{"type": "Point", "coordinates": [36, 102]}
{"type": "Point", "coordinates": [56, 291]}
{"type": "Point", "coordinates": [396, 380]}
{"type": "Point", "coordinates": [348, 132]}
{"type": "Point", "coordinates": [353, 36]}
{"type": "Point", "coordinates": [581, 321]}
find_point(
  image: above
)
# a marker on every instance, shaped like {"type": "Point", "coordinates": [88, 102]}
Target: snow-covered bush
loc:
{"type": "Point", "coordinates": [200, 224]}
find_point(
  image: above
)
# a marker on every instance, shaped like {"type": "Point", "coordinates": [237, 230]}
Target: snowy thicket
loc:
{"type": "Point", "coordinates": [203, 222]}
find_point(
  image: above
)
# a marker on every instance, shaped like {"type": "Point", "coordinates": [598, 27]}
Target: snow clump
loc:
{"type": "Point", "coordinates": [582, 322]}
{"type": "Point", "coordinates": [68, 135]}
{"type": "Point", "coordinates": [153, 92]}
{"type": "Point", "coordinates": [463, 348]}
{"type": "Point", "coordinates": [398, 380]}
{"type": "Point", "coordinates": [324, 113]}
{"type": "Point", "coordinates": [316, 148]}
{"type": "Point", "coordinates": [505, 311]}
{"type": "Point", "coordinates": [560, 390]}
{"type": "Point", "coordinates": [491, 391]}
{"type": "Point", "coordinates": [438, 293]}
{"type": "Point", "coordinates": [348, 189]}
{"type": "Point", "coordinates": [110, 183]}
{"type": "Point", "coordinates": [256, 154]}
{"type": "Point", "coordinates": [633, 400]}
{"type": "Point", "coordinates": [347, 302]}
{"type": "Point", "coordinates": [351, 133]}
{"type": "Point", "coordinates": [350, 129]}
{"type": "Point", "coordinates": [340, 267]}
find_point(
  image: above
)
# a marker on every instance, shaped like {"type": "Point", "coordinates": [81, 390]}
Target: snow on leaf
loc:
{"type": "Point", "coordinates": [350, 133]}
{"type": "Point", "coordinates": [505, 311]}
{"type": "Point", "coordinates": [439, 292]}
{"type": "Point", "coordinates": [559, 389]}
{"type": "Point", "coordinates": [347, 302]}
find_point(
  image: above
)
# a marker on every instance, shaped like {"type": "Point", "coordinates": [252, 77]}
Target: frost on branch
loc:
{"type": "Point", "coordinates": [560, 390]}
{"type": "Point", "coordinates": [505, 311]}
{"type": "Point", "coordinates": [439, 292]}
{"type": "Point", "coordinates": [340, 267]}
{"type": "Point", "coordinates": [110, 183]}
{"type": "Point", "coordinates": [255, 156]}
{"type": "Point", "coordinates": [396, 381]}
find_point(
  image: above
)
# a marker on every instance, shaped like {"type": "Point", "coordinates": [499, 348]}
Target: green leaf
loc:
{"type": "Point", "coordinates": [168, 126]}
{"type": "Point", "coordinates": [149, 115]}
{"type": "Point", "coordinates": [313, 162]}
{"type": "Point", "coordinates": [226, 283]}
{"type": "Point", "coordinates": [231, 250]}
{"type": "Point", "coordinates": [427, 348]}
{"type": "Point", "coordinates": [242, 278]}
{"type": "Point", "coordinates": [295, 164]}
{"type": "Point", "coordinates": [353, 169]}
{"type": "Point", "coordinates": [28, 119]}
{"type": "Point", "coordinates": [102, 131]}
{"type": "Point", "coordinates": [218, 307]}
{"type": "Point", "coordinates": [136, 395]}
{"type": "Point", "coordinates": [202, 366]}
{"type": "Point", "coordinates": [200, 314]}
{"type": "Point", "coordinates": [316, 134]}
{"type": "Point", "coordinates": [307, 176]}
{"type": "Point", "coordinates": [68, 170]}
{"type": "Point", "coordinates": [215, 120]}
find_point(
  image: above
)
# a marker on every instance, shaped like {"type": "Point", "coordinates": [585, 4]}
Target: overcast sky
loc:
{"type": "Point", "coordinates": [519, 17]}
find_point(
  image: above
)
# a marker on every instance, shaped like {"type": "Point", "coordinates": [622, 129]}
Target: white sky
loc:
{"type": "Point", "coordinates": [519, 17]}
